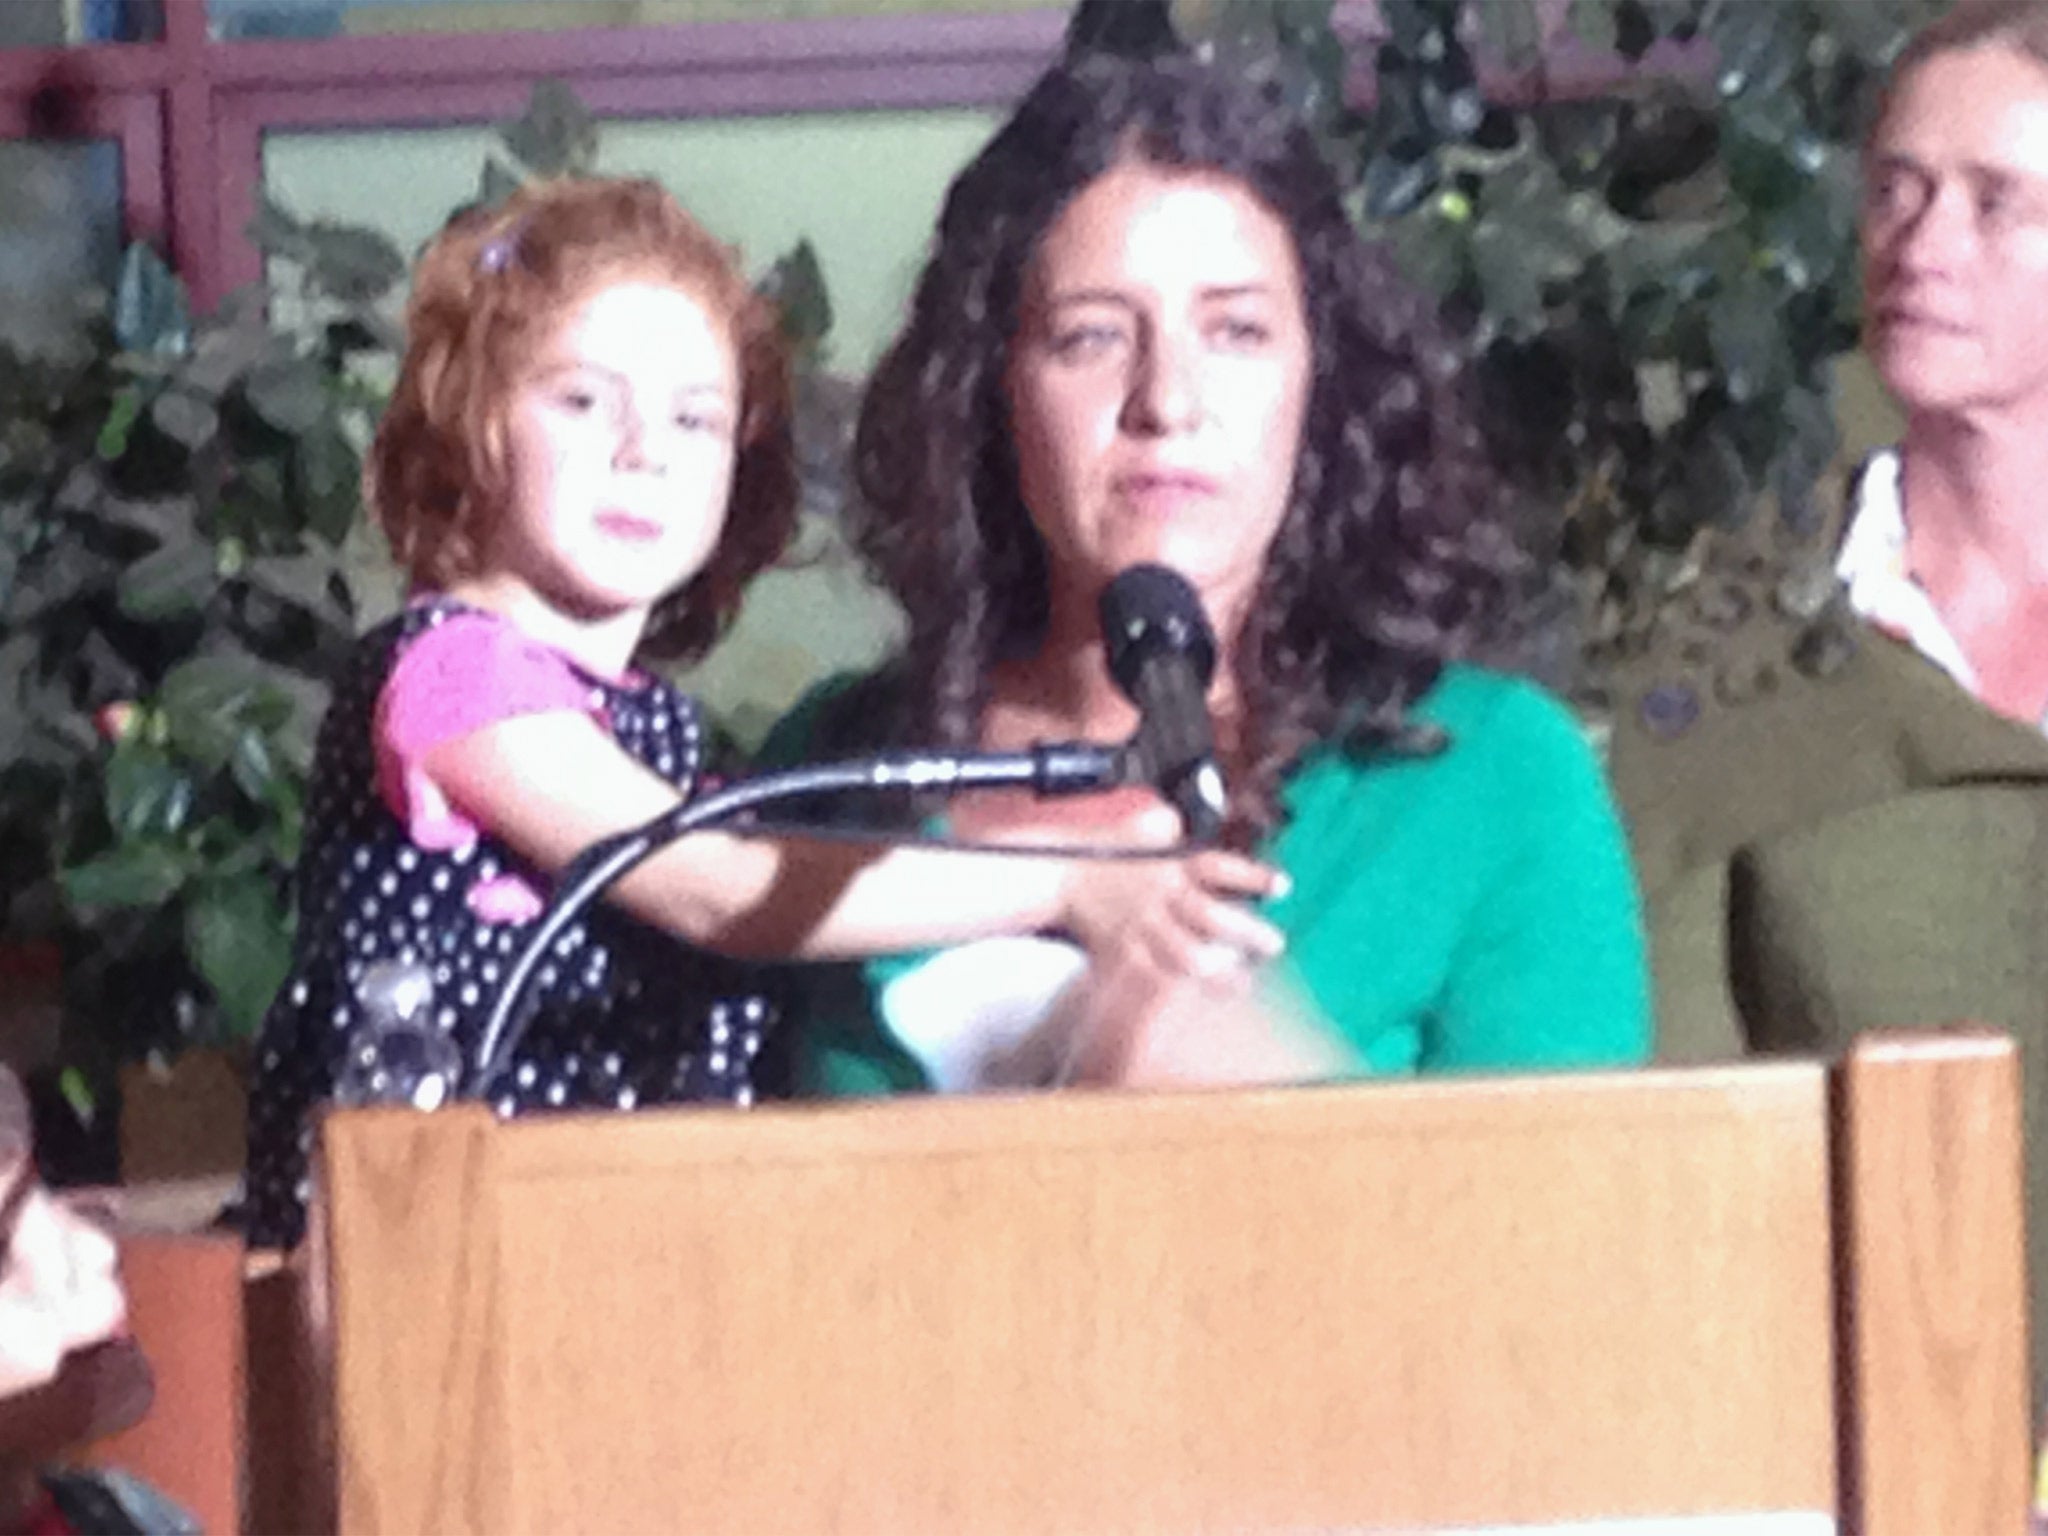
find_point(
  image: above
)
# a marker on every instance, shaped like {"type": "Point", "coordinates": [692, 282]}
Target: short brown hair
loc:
{"type": "Point", "coordinates": [2021, 25]}
{"type": "Point", "coordinates": [484, 294]}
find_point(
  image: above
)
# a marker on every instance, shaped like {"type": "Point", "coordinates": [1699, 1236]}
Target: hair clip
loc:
{"type": "Point", "coordinates": [498, 251]}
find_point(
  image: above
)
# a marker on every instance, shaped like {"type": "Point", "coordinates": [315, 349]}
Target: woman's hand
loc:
{"type": "Point", "coordinates": [1127, 1023]}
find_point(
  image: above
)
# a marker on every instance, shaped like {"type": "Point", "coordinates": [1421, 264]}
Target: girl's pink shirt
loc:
{"type": "Point", "coordinates": [470, 671]}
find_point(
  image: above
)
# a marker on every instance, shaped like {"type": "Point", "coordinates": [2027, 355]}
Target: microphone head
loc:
{"type": "Point", "coordinates": [1148, 610]}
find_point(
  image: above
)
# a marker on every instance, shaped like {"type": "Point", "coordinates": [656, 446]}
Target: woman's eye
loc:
{"type": "Point", "coordinates": [1996, 203]}
{"type": "Point", "coordinates": [1891, 193]}
{"type": "Point", "coordinates": [700, 421]}
{"type": "Point", "coordinates": [1077, 343]}
{"type": "Point", "coordinates": [1243, 331]}
{"type": "Point", "coordinates": [579, 401]}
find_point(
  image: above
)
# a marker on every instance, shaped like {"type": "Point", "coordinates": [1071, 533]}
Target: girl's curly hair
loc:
{"type": "Point", "coordinates": [1393, 552]}
{"type": "Point", "coordinates": [485, 293]}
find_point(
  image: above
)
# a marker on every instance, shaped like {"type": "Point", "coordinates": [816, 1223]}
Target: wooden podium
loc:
{"type": "Point", "coordinates": [1781, 1289]}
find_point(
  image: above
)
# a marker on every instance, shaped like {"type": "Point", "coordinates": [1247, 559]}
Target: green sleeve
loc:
{"type": "Point", "coordinates": [1551, 971]}
{"type": "Point", "coordinates": [796, 736]}
{"type": "Point", "coordinates": [830, 1042]}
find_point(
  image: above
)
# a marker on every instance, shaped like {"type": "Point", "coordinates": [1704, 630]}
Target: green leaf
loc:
{"type": "Point", "coordinates": [177, 579]}
{"type": "Point", "coordinates": [352, 264]}
{"type": "Point", "coordinates": [1806, 451]}
{"type": "Point", "coordinates": [1874, 30]}
{"type": "Point", "coordinates": [122, 414]}
{"type": "Point", "coordinates": [1394, 183]}
{"type": "Point", "coordinates": [240, 943]}
{"type": "Point", "coordinates": [1670, 262]}
{"type": "Point", "coordinates": [147, 793]}
{"type": "Point", "coordinates": [1759, 48]}
{"type": "Point", "coordinates": [185, 418]}
{"type": "Point", "coordinates": [254, 766]}
{"type": "Point", "coordinates": [555, 136]}
{"type": "Point", "coordinates": [1532, 233]}
{"type": "Point", "coordinates": [496, 183]}
{"type": "Point", "coordinates": [77, 1091]}
{"type": "Point", "coordinates": [150, 314]}
{"type": "Point", "coordinates": [1430, 250]}
{"type": "Point", "coordinates": [1592, 23]}
{"type": "Point", "coordinates": [276, 231]}
{"type": "Point", "coordinates": [1716, 484]}
{"type": "Point", "coordinates": [290, 393]}
{"type": "Point", "coordinates": [139, 875]}
{"type": "Point", "coordinates": [796, 284]}
{"type": "Point", "coordinates": [223, 354]}
{"type": "Point", "coordinates": [205, 698]}
{"type": "Point", "coordinates": [305, 580]}
{"type": "Point", "coordinates": [1748, 340]}
{"type": "Point", "coordinates": [1513, 31]}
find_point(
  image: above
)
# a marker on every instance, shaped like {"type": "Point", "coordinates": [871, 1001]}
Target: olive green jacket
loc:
{"type": "Point", "coordinates": [1865, 849]}
{"type": "Point", "coordinates": [1838, 853]}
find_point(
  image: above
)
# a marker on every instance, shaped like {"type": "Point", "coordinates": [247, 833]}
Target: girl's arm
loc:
{"type": "Point", "coordinates": [553, 783]}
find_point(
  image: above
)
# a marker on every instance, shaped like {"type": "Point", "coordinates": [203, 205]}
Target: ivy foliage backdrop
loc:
{"type": "Point", "coordinates": [1640, 216]}
{"type": "Point", "coordinates": [183, 568]}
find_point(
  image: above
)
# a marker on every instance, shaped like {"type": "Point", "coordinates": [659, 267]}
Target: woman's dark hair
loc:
{"type": "Point", "coordinates": [1390, 555]}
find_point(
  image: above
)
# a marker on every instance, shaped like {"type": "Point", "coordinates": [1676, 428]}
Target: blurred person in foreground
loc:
{"type": "Point", "coordinates": [69, 1372]}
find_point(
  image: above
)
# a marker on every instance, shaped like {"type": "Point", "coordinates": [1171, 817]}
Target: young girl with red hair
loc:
{"type": "Point", "coordinates": [586, 459]}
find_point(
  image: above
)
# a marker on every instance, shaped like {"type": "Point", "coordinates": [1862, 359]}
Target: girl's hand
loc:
{"type": "Point", "coordinates": [1184, 916]}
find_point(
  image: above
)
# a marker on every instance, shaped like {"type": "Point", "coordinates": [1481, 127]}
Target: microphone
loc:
{"type": "Point", "coordinates": [394, 1039]}
{"type": "Point", "coordinates": [1162, 654]}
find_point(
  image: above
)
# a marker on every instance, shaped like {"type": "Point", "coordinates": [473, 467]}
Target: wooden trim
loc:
{"type": "Point", "coordinates": [409, 1202]}
{"type": "Point", "coordinates": [1932, 1408]}
{"type": "Point", "coordinates": [195, 235]}
{"type": "Point", "coordinates": [1009, 46]}
{"type": "Point", "coordinates": [89, 70]}
{"type": "Point", "coordinates": [192, 110]}
{"type": "Point", "coordinates": [882, 1284]}
{"type": "Point", "coordinates": [1390, 1307]}
{"type": "Point", "coordinates": [238, 157]}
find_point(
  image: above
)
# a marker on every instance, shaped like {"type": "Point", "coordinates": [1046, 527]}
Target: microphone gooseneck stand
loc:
{"type": "Point", "coordinates": [1160, 651]}
{"type": "Point", "coordinates": [1055, 768]}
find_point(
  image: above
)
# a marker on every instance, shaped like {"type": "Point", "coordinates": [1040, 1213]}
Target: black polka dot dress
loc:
{"type": "Point", "coordinates": [620, 1015]}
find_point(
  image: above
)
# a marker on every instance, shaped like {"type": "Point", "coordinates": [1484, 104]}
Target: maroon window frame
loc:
{"type": "Point", "coordinates": [188, 113]}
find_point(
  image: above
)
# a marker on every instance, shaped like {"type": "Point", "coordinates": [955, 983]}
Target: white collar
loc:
{"type": "Point", "coordinates": [1880, 582]}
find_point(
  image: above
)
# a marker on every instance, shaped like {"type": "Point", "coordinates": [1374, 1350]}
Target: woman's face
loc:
{"type": "Point", "coordinates": [1955, 234]}
{"type": "Point", "coordinates": [1158, 380]}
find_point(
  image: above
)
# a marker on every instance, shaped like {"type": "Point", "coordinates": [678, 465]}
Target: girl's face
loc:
{"type": "Point", "coordinates": [620, 444]}
{"type": "Point", "coordinates": [1158, 381]}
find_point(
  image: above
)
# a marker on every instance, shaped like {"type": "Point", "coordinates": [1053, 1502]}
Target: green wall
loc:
{"type": "Point", "coordinates": [863, 187]}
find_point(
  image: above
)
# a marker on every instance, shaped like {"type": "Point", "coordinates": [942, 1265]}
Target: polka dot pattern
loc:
{"type": "Point", "coordinates": [620, 1014]}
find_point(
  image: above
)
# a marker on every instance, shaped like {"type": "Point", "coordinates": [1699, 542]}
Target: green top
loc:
{"type": "Point", "coordinates": [1471, 910]}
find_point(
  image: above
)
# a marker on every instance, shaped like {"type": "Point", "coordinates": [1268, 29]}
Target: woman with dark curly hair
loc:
{"type": "Point", "coordinates": [585, 459]}
{"type": "Point", "coordinates": [1149, 332]}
